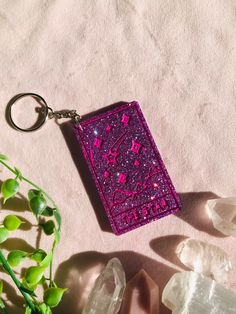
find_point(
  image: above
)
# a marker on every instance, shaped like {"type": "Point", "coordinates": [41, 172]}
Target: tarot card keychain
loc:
{"type": "Point", "coordinates": [123, 161]}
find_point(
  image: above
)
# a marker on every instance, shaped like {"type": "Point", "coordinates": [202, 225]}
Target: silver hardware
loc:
{"type": "Point", "coordinates": [44, 112]}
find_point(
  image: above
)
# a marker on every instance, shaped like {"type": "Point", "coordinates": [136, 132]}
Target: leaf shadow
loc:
{"type": "Point", "coordinates": [16, 301]}
{"type": "Point", "coordinates": [18, 203]}
{"type": "Point", "coordinates": [80, 272]}
{"type": "Point", "coordinates": [16, 244]}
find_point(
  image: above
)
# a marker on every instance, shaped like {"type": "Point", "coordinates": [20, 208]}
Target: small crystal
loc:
{"type": "Point", "coordinates": [205, 258]}
{"type": "Point", "coordinates": [141, 295]}
{"type": "Point", "coordinates": [222, 211]}
{"type": "Point", "coordinates": [192, 293]}
{"type": "Point", "coordinates": [106, 295]}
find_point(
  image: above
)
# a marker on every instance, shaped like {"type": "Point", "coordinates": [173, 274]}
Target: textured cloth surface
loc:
{"type": "Point", "coordinates": [178, 58]}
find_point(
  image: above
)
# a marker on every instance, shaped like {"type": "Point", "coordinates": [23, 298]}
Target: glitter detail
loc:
{"type": "Point", "coordinates": [125, 119]}
{"type": "Point", "coordinates": [109, 127]}
{"type": "Point", "coordinates": [148, 194]}
{"type": "Point", "coordinates": [97, 142]}
{"type": "Point", "coordinates": [135, 147]}
{"type": "Point", "coordinates": [122, 178]}
{"type": "Point", "coordinates": [106, 174]}
{"type": "Point", "coordinates": [136, 163]}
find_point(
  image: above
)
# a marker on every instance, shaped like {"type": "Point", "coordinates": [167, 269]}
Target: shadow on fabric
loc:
{"type": "Point", "coordinates": [80, 272]}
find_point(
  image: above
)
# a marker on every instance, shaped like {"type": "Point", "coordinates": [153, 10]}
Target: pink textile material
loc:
{"type": "Point", "coordinates": [178, 58]}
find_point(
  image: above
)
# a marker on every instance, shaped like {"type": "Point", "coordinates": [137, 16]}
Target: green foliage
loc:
{"type": "Point", "coordinates": [48, 227]}
{"type": "Point", "coordinates": [4, 234]}
{"type": "Point", "coordinates": [12, 222]}
{"type": "Point", "coordinates": [52, 296]}
{"type": "Point", "coordinates": [38, 255]}
{"type": "Point", "coordinates": [49, 219]}
{"type": "Point", "coordinates": [15, 258]}
{"type": "Point", "coordinates": [37, 205]}
{"type": "Point", "coordinates": [9, 189]}
{"type": "Point", "coordinates": [34, 274]}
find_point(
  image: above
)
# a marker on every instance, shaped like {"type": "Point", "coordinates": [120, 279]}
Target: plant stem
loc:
{"type": "Point", "coordinates": [49, 198]}
{"type": "Point", "coordinates": [8, 269]}
{"type": "Point", "coordinates": [30, 182]}
{"type": "Point", "coordinates": [3, 307]}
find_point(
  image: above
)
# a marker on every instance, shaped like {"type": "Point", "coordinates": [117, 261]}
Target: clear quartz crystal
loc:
{"type": "Point", "coordinates": [205, 258]}
{"type": "Point", "coordinates": [192, 293]}
{"type": "Point", "coordinates": [222, 211]}
{"type": "Point", "coordinates": [107, 293]}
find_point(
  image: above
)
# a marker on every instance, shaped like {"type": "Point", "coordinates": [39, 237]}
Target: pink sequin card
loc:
{"type": "Point", "coordinates": [129, 173]}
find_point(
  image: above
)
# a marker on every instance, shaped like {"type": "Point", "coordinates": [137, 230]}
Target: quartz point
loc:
{"type": "Point", "coordinates": [222, 211]}
{"type": "Point", "coordinates": [141, 295]}
{"type": "Point", "coordinates": [192, 293]}
{"type": "Point", "coordinates": [205, 258]}
{"type": "Point", "coordinates": [107, 293]}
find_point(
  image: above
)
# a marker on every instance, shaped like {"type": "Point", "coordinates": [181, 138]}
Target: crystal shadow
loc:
{"type": "Point", "coordinates": [80, 271]}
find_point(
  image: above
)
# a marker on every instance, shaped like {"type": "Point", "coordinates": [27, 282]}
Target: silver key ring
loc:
{"type": "Point", "coordinates": [44, 113]}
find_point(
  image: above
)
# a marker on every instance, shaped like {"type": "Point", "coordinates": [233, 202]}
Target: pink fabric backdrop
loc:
{"type": "Point", "coordinates": [178, 58]}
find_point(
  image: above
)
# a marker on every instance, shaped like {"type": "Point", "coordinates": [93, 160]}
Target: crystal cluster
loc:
{"type": "Point", "coordinates": [222, 211]}
{"type": "Point", "coordinates": [205, 258]}
{"type": "Point", "coordinates": [107, 293]}
{"type": "Point", "coordinates": [141, 295]}
{"type": "Point", "coordinates": [192, 293]}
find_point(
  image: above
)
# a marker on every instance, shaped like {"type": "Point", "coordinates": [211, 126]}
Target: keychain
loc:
{"type": "Point", "coordinates": [123, 160]}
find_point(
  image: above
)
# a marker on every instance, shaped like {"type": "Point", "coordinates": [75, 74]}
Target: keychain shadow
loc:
{"type": "Point", "coordinates": [82, 167]}
{"type": "Point", "coordinates": [194, 212]}
{"type": "Point", "coordinates": [80, 271]}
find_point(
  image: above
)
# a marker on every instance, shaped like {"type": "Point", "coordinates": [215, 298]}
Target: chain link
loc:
{"type": "Point", "coordinates": [72, 114]}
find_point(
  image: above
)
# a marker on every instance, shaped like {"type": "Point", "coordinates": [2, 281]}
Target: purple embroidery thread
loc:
{"type": "Point", "coordinates": [127, 168]}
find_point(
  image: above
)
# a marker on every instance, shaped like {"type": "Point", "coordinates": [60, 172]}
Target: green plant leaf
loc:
{"type": "Point", "coordinates": [2, 305]}
{"type": "Point", "coordinates": [34, 274]}
{"type": "Point", "coordinates": [1, 287]}
{"type": "Point", "coordinates": [56, 235]}
{"type": "Point", "coordinates": [12, 222]}
{"type": "Point", "coordinates": [37, 205]}
{"type": "Point", "coordinates": [16, 257]}
{"type": "Point", "coordinates": [28, 288]}
{"type": "Point", "coordinates": [44, 309]}
{"type": "Point", "coordinates": [9, 189]}
{"type": "Point", "coordinates": [53, 296]}
{"type": "Point", "coordinates": [48, 227]}
{"type": "Point", "coordinates": [32, 193]}
{"type": "Point", "coordinates": [4, 234]}
{"type": "Point", "coordinates": [48, 212]}
{"type": "Point", "coordinates": [46, 261]}
{"type": "Point", "coordinates": [38, 255]}
{"type": "Point", "coordinates": [28, 310]}
{"type": "Point", "coordinates": [57, 217]}
{"type": "Point", "coordinates": [18, 173]}
{"type": "Point", "coordinates": [3, 157]}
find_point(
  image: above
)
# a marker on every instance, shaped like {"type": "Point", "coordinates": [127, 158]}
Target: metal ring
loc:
{"type": "Point", "coordinates": [42, 118]}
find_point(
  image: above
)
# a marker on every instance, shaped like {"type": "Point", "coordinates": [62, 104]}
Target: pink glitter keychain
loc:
{"type": "Point", "coordinates": [123, 159]}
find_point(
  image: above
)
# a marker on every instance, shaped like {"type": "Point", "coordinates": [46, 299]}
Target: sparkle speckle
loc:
{"type": "Point", "coordinates": [131, 167]}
